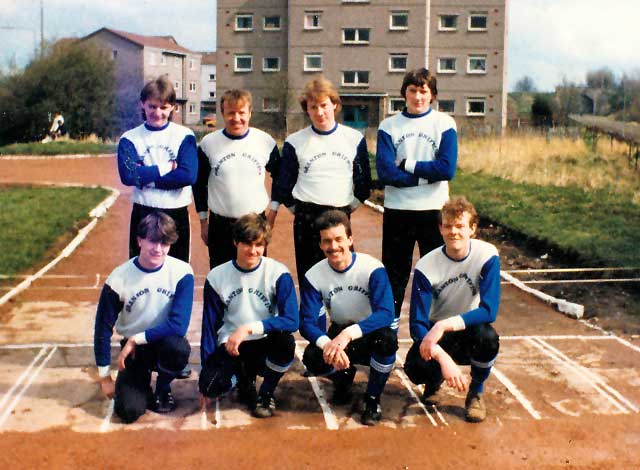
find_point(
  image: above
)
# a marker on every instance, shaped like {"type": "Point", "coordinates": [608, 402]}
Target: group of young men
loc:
{"type": "Point", "coordinates": [350, 302]}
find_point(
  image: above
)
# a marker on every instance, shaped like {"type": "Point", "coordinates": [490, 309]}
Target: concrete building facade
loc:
{"type": "Point", "coordinates": [208, 79]}
{"type": "Point", "coordinates": [365, 47]}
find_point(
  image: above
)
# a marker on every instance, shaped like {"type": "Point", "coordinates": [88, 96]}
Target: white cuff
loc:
{"type": "Point", "coordinates": [104, 371]}
{"type": "Point", "coordinates": [164, 168]}
{"type": "Point", "coordinates": [410, 166]}
{"type": "Point", "coordinates": [203, 215]}
{"type": "Point", "coordinates": [322, 341]}
{"type": "Point", "coordinates": [457, 323]}
{"type": "Point", "coordinates": [257, 327]}
{"type": "Point", "coordinates": [422, 181]}
{"type": "Point", "coordinates": [274, 205]}
{"type": "Point", "coordinates": [354, 331]}
{"type": "Point", "coordinates": [140, 338]}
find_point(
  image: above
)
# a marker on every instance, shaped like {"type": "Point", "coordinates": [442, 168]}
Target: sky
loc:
{"type": "Point", "coordinates": [548, 40]}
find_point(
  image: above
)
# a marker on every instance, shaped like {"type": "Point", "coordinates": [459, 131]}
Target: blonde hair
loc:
{"type": "Point", "coordinates": [318, 89]}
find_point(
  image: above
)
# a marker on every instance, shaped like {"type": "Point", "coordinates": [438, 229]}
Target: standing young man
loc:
{"type": "Point", "coordinates": [250, 314]}
{"type": "Point", "coordinates": [324, 166]}
{"type": "Point", "coordinates": [231, 173]}
{"type": "Point", "coordinates": [416, 157]}
{"type": "Point", "coordinates": [454, 299]}
{"type": "Point", "coordinates": [148, 299]}
{"type": "Point", "coordinates": [353, 289]}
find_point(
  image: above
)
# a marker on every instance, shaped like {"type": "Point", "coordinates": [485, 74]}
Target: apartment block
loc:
{"type": "Point", "coordinates": [365, 47]}
{"type": "Point", "coordinates": [208, 77]}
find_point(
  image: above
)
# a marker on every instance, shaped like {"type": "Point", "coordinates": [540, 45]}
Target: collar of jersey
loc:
{"type": "Point", "coordinates": [237, 266]}
{"type": "Point", "coordinates": [406, 113]}
{"type": "Point", "coordinates": [444, 251]}
{"type": "Point", "coordinates": [145, 270]}
{"type": "Point", "coordinates": [149, 127]}
{"type": "Point", "coordinates": [353, 260]}
{"type": "Point", "coordinates": [330, 131]}
{"type": "Point", "coordinates": [235, 137]}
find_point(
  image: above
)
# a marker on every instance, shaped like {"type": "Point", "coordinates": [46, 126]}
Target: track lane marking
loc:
{"type": "Point", "coordinates": [515, 391]}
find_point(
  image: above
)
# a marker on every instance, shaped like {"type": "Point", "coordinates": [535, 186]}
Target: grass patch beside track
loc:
{"type": "Point", "coordinates": [64, 147]}
{"type": "Point", "coordinates": [35, 219]}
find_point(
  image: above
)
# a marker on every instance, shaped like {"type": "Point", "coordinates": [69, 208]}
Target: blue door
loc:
{"type": "Point", "coordinates": [356, 116]}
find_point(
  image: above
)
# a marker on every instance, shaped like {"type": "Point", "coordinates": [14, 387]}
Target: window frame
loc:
{"type": "Point", "coordinates": [398, 13]}
{"type": "Point", "coordinates": [307, 15]}
{"type": "Point", "coordinates": [194, 107]}
{"type": "Point", "coordinates": [447, 28]}
{"type": "Point", "coordinates": [440, 69]}
{"type": "Point", "coordinates": [214, 77]}
{"type": "Point", "coordinates": [357, 41]}
{"type": "Point", "coordinates": [357, 82]}
{"type": "Point", "coordinates": [476, 100]}
{"type": "Point", "coordinates": [476, 14]}
{"type": "Point", "coordinates": [271, 28]}
{"type": "Point", "coordinates": [192, 64]}
{"type": "Point", "coordinates": [236, 57]}
{"type": "Point", "coordinates": [270, 69]}
{"type": "Point", "coordinates": [312, 55]}
{"type": "Point", "coordinates": [396, 99]}
{"type": "Point", "coordinates": [192, 86]}
{"type": "Point", "coordinates": [476, 57]}
{"type": "Point", "coordinates": [396, 55]}
{"type": "Point", "coordinates": [270, 110]}
{"type": "Point", "coordinates": [452, 101]}
{"type": "Point", "coordinates": [176, 85]}
{"type": "Point", "coordinates": [237, 27]}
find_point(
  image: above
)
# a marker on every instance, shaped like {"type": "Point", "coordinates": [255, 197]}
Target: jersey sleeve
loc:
{"type": "Point", "coordinates": [282, 186]}
{"type": "Point", "coordinates": [489, 289]}
{"type": "Point", "coordinates": [131, 168]}
{"type": "Point", "coordinates": [288, 316]}
{"type": "Point", "coordinates": [381, 300]}
{"type": "Point", "coordinates": [362, 173]}
{"type": "Point", "coordinates": [212, 316]}
{"type": "Point", "coordinates": [201, 186]}
{"type": "Point", "coordinates": [421, 298]}
{"type": "Point", "coordinates": [443, 168]}
{"type": "Point", "coordinates": [177, 321]}
{"type": "Point", "coordinates": [109, 307]}
{"type": "Point", "coordinates": [313, 315]}
{"type": "Point", "coordinates": [388, 172]}
{"type": "Point", "coordinates": [186, 170]}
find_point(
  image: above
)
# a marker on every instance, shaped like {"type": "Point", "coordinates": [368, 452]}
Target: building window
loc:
{"type": "Point", "coordinates": [477, 64]}
{"type": "Point", "coordinates": [312, 20]}
{"type": "Point", "coordinates": [212, 77]}
{"type": "Point", "coordinates": [192, 108]}
{"type": "Point", "coordinates": [447, 106]}
{"type": "Point", "coordinates": [355, 36]}
{"type": "Point", "coordinates": [447, 65]}
{"type": "Point", "coordinates": [271, 64]}
{"type": "Point", "coordinates": [244, 22]}
{"type": "Point", "coordinates": [271, 23]}
{"type": "Point", "coordinates": [398, 62]}
{"type": "Point", "coordinates": [192, 64]}
{"type": "Point", "coordinates": [176, 85]}
{"type": "Point", "coordinates": [399, 20]}
{"type": "Point", "coordinates": [448, 23]}
{"type": "Point", "coordinates": [212, 94]}
{"type": "Point", "coordinates": [270, 105]}
{"type": "Point", "coordinates": [476, 107]}
{"type": "Point", "coordinates": [478, 21]}
{"type": "Point", "coordinates": [396, 105]}
{"type": "Point", "coordinates": [114, 54]}
{"type": "Point", "coordinates": [313, 62]}
{"type": "Point", "coordinates": [192, 86]}
{"type": "Point", "coordinates": [176, 61]}
{"type": "Point", "coordinates": [355, 78]}
{"type": "Point", "coordinates": [243, 63]}
{"type": "Point", "coordinates": [163, 59]}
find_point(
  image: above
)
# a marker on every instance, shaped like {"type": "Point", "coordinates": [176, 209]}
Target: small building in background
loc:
{"type": "Point", "coordinates": [208, 81]}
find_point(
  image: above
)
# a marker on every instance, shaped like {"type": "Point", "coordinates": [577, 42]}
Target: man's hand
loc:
{"type": "Point", "coordinates": [433, 338]}
{"type": "Point", "coordinates": [235, 340]}
{"type": "Point", "coordinates": [204, 402]}
{"type": "Point", "coordinates": [333, 352]}
{"type": "Point", "coordinates": [108, 386]}
{"type": "Point", "coordinates": [204, 231]}
{"type": "Point", "coordinates": [271, 217]}
{"type": "Point", "coordinates": [129, 348]}
{"type": "Point", "coordinates": [450, 371]}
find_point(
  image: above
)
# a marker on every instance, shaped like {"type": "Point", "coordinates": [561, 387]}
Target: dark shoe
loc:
{"type": "Point", "coordinates": [184, 373]}
{"type": "Point", "coordinates": [474, 409]}
{"type": "Point", "coordinates": [372, 413]}
{"type": "Point", "coordinates": [428, 396]}
{"type": "Point", "coordinates": [164, 402]}
{"type": "Point", "coordinates": [342, 381]}
{"type": "Point", "coordinates": [266, 407]}
{"type": "Point", "coordinates": [247, 393]}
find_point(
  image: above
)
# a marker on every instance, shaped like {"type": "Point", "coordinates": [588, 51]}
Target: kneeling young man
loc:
{"type": "Point", "coordinates": [148, 299]}
{"type": "Point", "coordinates": [250, 312]}
{"type": "Point", "coordinates": [354, 289]}
{"type": "Point", "coordinates": [454, 299]}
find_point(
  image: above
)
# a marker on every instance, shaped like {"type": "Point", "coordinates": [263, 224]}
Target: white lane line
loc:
{"type": "Point", "coordinates": [627, 344]}
{"type": "Point", "coordinates": [97, 283]}
{"type": "Point", "coordinates": [405, 381]}
{"type": "Point", "coordinates": [515, 391]}
{"type": "Point", "coordinates": [30, 380]}
{"type": "Point", "coordinates": [203, 420]}
{"type": "Point", "coordinates": [24, 374]}
{"type": "Point", "coordinates": [218, 417]}
{"type": "Point", "coordinates": [435, 408]}
{"type": "Point", "coordinates": [329, 416]}
{"type": "Point", "coordinates": [584, 374]}
{"type": "Point", "coordinates": [106, 421]}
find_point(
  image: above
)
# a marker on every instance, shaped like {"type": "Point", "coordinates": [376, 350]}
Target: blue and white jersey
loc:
{"type": "Point", "coordinates": [326, 168]}
{"type": "Point", "coordinates": [429, 144]}
{"type": "Point", "coordinates": [146, 305]}
{"type": "Point", "coordinates": [359, 296]}
{"type": "Point", "coordinates": [161, 164]}
{"type": "Point", "coordinates": [264, 296]}
{"type": "Point", "coordinates": [444, 288]}
{"type": "Point", "coordinates": [231, 172]}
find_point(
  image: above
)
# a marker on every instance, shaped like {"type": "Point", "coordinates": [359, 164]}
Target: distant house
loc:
{"type": "Point", "coordinates": [138, 59]}
{"type": "Point", "coordinates": [208, 80]}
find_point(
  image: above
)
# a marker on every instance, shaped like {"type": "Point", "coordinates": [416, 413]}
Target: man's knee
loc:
{"type": "Point", "coordinates": [487, 343]}
{"type": "Point", "coordinates": [130, 409]}
{"type": "Point", "coordinates": [173, 353]}
{"type": "Point", "coordinates": [313, 360]}
{"type": "Point", "coordinates": [420, 371]}
{"type": "Point", "coordinates": [282, 347]}
{"type": "Point", "coordinates": [215, 378]}
{"type": "Point", "coordinates": [384, 342]}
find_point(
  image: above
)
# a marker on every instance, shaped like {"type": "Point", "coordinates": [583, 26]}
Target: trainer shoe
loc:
{"type": "Point", "coordinates": [247, 392]}
{"type": "Point", "coordinates": [164, 402]}
{"type": "Point", "coordinates": [372, 413]}
{"type": "Point", "coordinates": [342, 381]}
{"type": "Point", "coordinates": [474, 409]}
{"type": "Point", "coordinates": [184, 373]}
{"type": "Point", "coordinates": [265, 407]}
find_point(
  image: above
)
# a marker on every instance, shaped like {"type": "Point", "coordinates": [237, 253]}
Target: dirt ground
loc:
{"type": "Point", "coordinates": [563, 395]}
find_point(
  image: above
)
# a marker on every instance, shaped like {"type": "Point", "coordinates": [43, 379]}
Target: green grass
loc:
{"type": "Point", "coordinates": [598, 226]}
{"type": "Point", "coordinates": [58, 148]}
{"type": "Point", "coordinates": [33, 220]}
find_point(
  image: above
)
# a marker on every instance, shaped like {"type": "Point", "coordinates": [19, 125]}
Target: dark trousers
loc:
{"type": "Point", "coordinates": [221, 247]}
{"type": "Point", "coordinates": [306, 237]}
{"type": "Point", "coordinates": [168, 356]}
{"type": "Point", "coordinates": [181, 249]}
{"type": "Point", "coordinates": [476, 344]}
{"type": "Point", "coordinates": [401, 229]}
{"type": "Point", "coordinates": [278, 348]}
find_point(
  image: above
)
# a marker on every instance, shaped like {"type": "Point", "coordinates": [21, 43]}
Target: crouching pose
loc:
{"type": "Point", "coordinates": [250, 312]}
{"type": "Point", "coordinates": [353, 288]}
{"type": "Point", "coordinates": [454, 299]}
{"type": "Point", "coordinates": [148, 299]}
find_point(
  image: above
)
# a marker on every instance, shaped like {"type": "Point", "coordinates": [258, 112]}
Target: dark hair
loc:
{"type": "Point", "coordinates": [251, 228]}
{"type": "Point", "coordinates": [333, 218]}
{"type": "Point", "coordinates": [318, 89]}
{"type": "Point", "coordinates": [160, 89]}
{"type": "Point", "coordinates": [235, 96]}
{"type": "Point", "coordinates": [158, 227]}
{"type": "Point", "coordinates": [455, 207]}
{"type": "Point", "coordinates": [420, 77]}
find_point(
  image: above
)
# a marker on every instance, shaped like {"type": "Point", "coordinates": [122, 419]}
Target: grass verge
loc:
{"type": "Point", "coordinates": [33, 220]}
{"type": "Point", "coordinates": [67, 147]}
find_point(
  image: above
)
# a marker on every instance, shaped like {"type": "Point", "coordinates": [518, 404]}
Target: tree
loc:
{"type": "Point", "coordinates": [74, 78]}
{"type": "Point", "coordinates": [525, 85]}
{"type": "Point", "coordinates": [542, 110]}
{"type": "Point", "coordinates": [601, 78]}
{"type": "Point", "coordinates": [568, 101]}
